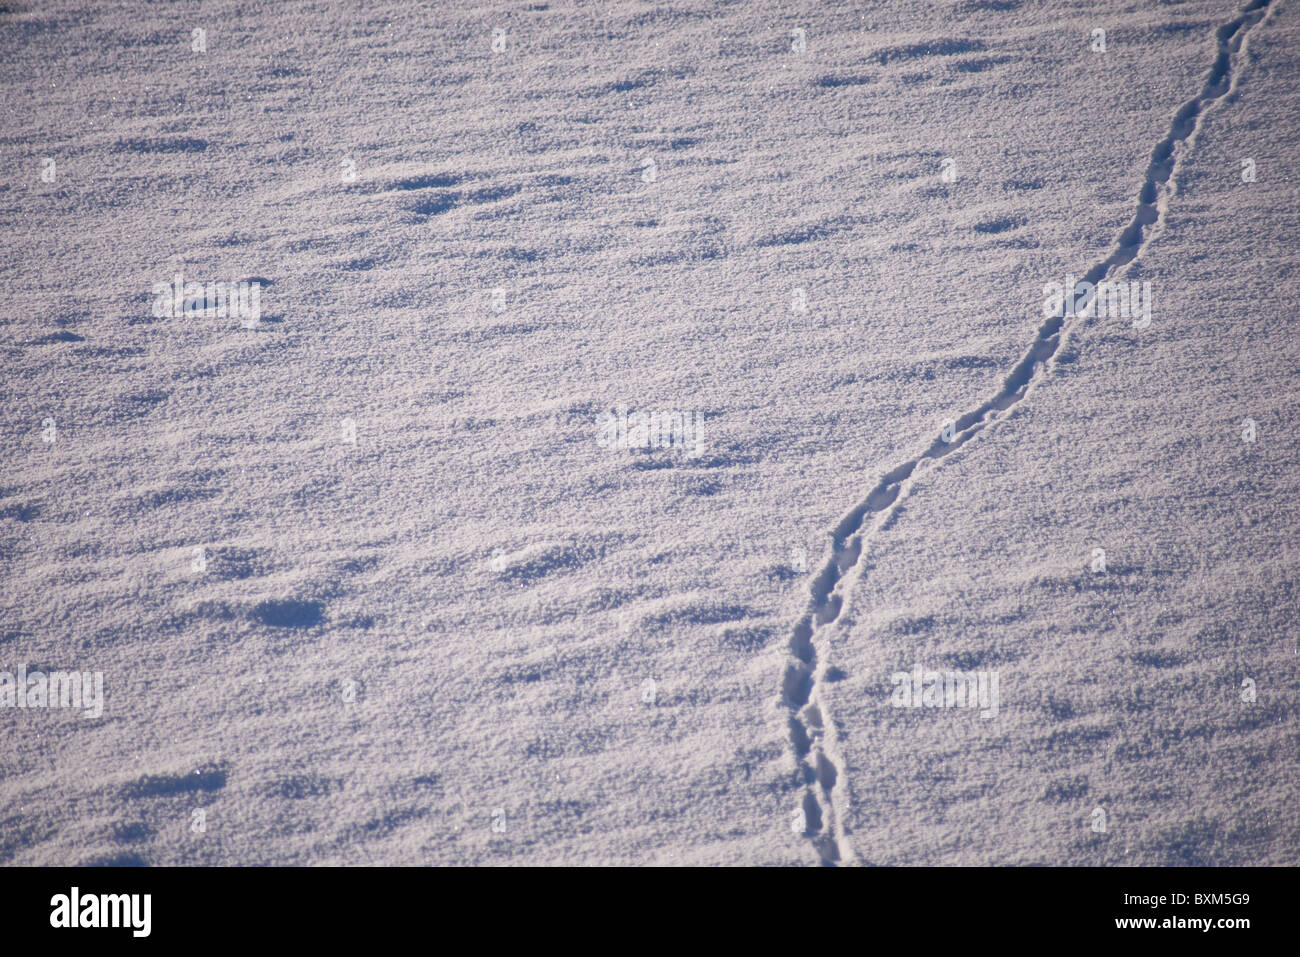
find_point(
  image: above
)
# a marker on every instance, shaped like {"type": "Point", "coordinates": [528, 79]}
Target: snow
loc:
{"type": "Point", "coordinates": [436, 620]}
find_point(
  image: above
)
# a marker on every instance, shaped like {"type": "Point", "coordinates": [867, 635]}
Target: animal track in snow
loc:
{"type": "Point", "coordinates": [825, 801]}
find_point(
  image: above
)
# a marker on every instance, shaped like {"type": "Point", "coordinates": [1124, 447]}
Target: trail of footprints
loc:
{"type": "Point", "coordinates": [824, 806]}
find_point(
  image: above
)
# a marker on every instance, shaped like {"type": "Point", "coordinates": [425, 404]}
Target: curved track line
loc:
{"type": "Point", "coordinates": [812, 735]}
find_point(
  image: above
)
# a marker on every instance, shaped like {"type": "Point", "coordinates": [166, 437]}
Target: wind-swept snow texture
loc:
{"type": "Point", "coordinates": [619, 433]}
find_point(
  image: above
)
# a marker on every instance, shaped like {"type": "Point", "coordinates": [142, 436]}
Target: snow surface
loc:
{"type": "Point", "coordinates": [439, 620]}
